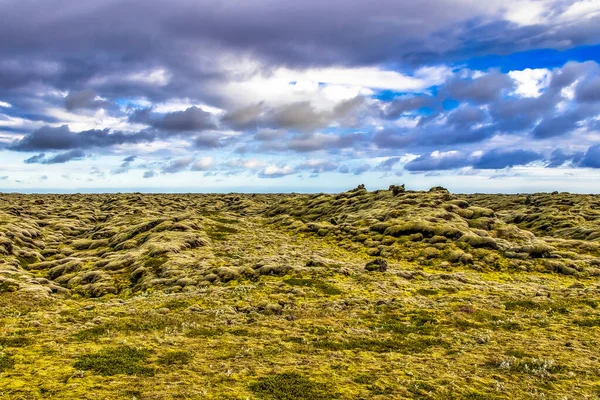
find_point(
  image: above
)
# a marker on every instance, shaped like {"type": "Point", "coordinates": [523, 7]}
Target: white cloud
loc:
{"type": "Point", "coordinates": [174, 105]}
{"type": "Point", "coordinates": [203, 164]}
{"type": "Point", "coordinates": [531, 12]}
{"type": "Point", "coordinates": [252, 164]}
{"type": "Point", "coordinates": [96, 119]}
{"type": "Point", "coordinates": [531, 82]}
{"type": "Point", "coordinates": [579, 10]}
{"type": "Point", "coordinates": [273, 170]}
{"type": "Point", "coordinates": [5, 104]}
{"type": "Point", "coordinates": [156, 77]}
{"type": "Point", "coordinates": [324, 88]}
{"type": "Point", "coordinates": [369, 77]}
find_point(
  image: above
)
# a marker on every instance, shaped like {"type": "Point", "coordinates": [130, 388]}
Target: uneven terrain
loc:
{"type": "Point", "coordinates": [389, 294]}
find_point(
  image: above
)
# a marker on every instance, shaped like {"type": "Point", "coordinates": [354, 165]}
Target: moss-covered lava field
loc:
{"type": "Point", "coordinates": [391, 294]}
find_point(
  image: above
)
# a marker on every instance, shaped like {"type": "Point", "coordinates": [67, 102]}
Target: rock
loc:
{"type": "Point", "coordinates": [438, 189]}
{"type": "Point", "coordinates": [137, 275]}
{"type": "Point", "coordinates": [195, 308]}
{"type": "Point", "coordinates": [8, 285]}
{"type": "Point", "coordinates": [378, 264]}
{"type": "Point", "coordinates": [397, 189]}
{"type": "Point", "coordinates": [185, 282]}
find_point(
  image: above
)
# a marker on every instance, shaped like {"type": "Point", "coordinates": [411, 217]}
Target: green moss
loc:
{"type": "Point", "coordinates": [121, 360]}
{"type": "Point", "coordinates": [226, 314]}
{"type": "Point", "coordinates": [6, 362]}
{"type": "Point", "coordinates": [386, 345]}
{"type": "Point", "coordinates": [154, 263]}
{"type": "Point", "coordinates": [175, 358]}
{"type": "Point", "coordinates": [91, 334]}
{"type": "Point", "coordinates": [26, 261]}
{"type": "Point", "coordinates": [197, 332]}
{"type": "Point", "coordinates": [175, 304]}
{"type": "Point", "coordinates": [15, 341]}
{"type": "Point", "coordinates": [291, 386]}
{"type": "Point", "coordinates": [324, 287]}
{"type": "Point", "coordinates": [220, 232]}
{"type": "Point", "coordinates": [539, 367]}
{"type": "Point", "coordinates": [589, 322]}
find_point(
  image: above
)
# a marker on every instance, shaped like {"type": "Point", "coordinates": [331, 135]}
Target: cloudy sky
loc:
{"type": "Point", "coordinates": [318, 95]}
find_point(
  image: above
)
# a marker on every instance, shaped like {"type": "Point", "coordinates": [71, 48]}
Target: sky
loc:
{"type": "Point", "coordinates": [289, 96]}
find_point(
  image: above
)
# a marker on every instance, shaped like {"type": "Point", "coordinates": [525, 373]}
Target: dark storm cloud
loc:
{"type": "Point", "coordinates": [589, 91]}
{"type": "Point", "coordinates": [361, 169]}
{"type": "Point", "coordinates": [178, 165]}
{"type": "Point", "coordinates": [499, 159]}
{"type": "Point", "coordinates": [388, 164]}
{"type": "Point", "coordinates": [37, 159]}
{"type": "Point", "coordinates": [267, 135]}
{"type": "Point", "coordinates": [143, 49]}
{"type": "Point", "coordinates": [516, 114]}
{"type": "Point", "coordinates": [211, 140]}
{"type": "Point", "coordinates": [556, 126]}
{"type": "Point", "coordinates": [591, 158]}
{"type": "Point", "coordinates": [431, 136]}
{"type": "Point", "coordinates": [192, 119]}
{"type": "Point", "coordinates": [499, 112]}
{"type": "Point", "coordinates": [484, 89]}
{"type": "Point", "coordinates": [405, 104]}
{"type": "Point", "coordinates": [492, 159]}
{"type": "Point", "coordinates": [318, 141]}
{"type": "Point", "coordinates": [310, 32]}
{"type": "Point", "coordinates": [559, 158]}
{"type": "Point", "coordinates": [124, 167]}
{"type": "Point", "coordinates": [466, 117]}
{"type": "Point", "coordinates": [62, 138]}
{"type": "Point", "coordinates": [112, 48]}
{"type": "Point", "coordinates": [317, 167]}
{"type": "Point", "coordinates": [84, 99]}
{"type": "Point", "coordinates": [571, 72]}
{"type": "Point", "coordinates": [429, 162]}
{"type": "Point", "coordinates": [297, 116]}
{"type": "Point", "coordinates": [59, 158]}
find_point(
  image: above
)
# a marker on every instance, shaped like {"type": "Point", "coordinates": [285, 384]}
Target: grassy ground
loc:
{"type": "Point", "coordinates": [267, 296]}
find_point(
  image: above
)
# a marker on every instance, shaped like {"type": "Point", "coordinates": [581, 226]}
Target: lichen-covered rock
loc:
{"type": "Point", "coordinates": [379, 265]}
